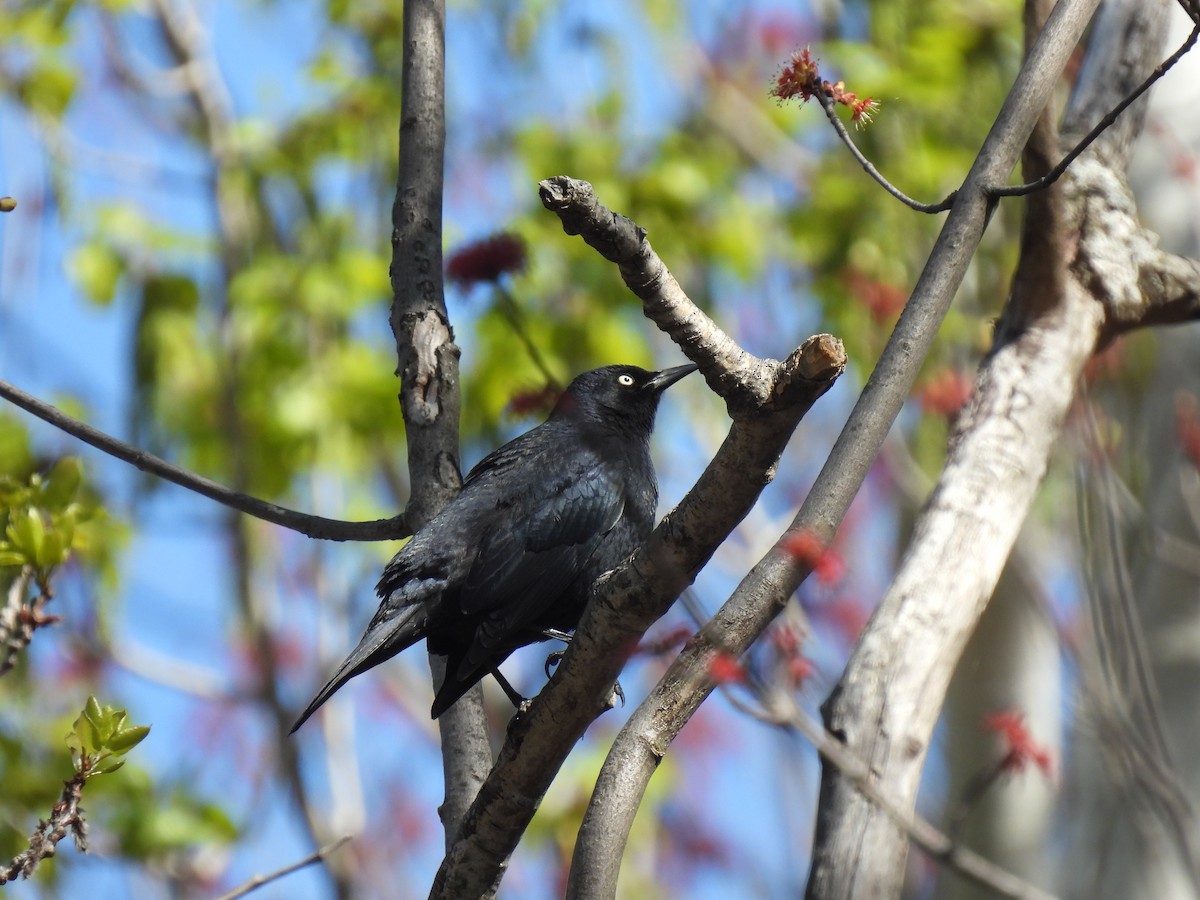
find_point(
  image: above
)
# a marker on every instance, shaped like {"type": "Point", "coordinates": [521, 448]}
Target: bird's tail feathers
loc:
{"type": "Point", "coordinates": [382, 641]}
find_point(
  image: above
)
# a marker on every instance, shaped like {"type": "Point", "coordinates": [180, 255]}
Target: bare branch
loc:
{"type": "Point", "coordinates": [427, 358]}
{"type": "Point", "coordinates": [767, 399]}
{"type": "Point", "coordinates": [1171, 287]}
{"type": "Point", "coordinates": [65, 818]}
{"type": "Point", "coordinates": [312, 526]}
{"type": "Point", "coordinates": [259, 880]}
{"type": "Point", "coordinates": [830, 108]}
{"type": "Point", "coordinates": [886, 705]}
{"type": "Point", "coordinates": [766, 589]}
{"type": "Point", "coordinates": [19, 618]}
{"type": "Point", "coordinates": [742, 379]}
{"type": "Point", "coordinates": [921, 832]}
{"type": "Point", "coordinates": [1020, 190]}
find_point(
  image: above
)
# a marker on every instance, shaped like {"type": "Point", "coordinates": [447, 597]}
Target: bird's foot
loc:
{"type": "Point", "coordinates": [552, 661]}
{"type": "Point", "coordinates": [511, 692]}
{"type": "Point", "coordinates": [618, 693]}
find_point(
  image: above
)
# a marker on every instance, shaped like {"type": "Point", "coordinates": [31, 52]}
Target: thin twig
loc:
{"type": "Point", "coordinates": [516, 321]}
{"type": "Point", "coordinates": [65, 818]}
{"type": "Point", "coordinates": [259, 880]}
{"type": "Point", "coordinates": [781, 710]}
{"type": "Point", "coordinates": [312, 526]}
{"type": "Point", "coordinates": [827, 104]}
{"type": "Point", "coordinates": [1020, 190]}
{"type": "Point", "coordinates": [20, 619]}
{"type": "Point", "coordinates": [933, 842]}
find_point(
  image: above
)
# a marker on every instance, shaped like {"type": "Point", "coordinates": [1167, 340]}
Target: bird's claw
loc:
{"type": "Point", "coordinates": [618, 693]}
{"type": "Point", "coordinates": [552, 660]}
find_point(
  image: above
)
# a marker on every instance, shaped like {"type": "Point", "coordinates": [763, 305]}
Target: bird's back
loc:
{"type": "Point", "coordinates": [518, 550]}
{"type": "Point", "coordinates": [547, 514]}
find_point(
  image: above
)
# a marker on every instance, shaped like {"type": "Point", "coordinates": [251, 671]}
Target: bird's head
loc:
{"type": "Point", "coordinates": [625, 397]}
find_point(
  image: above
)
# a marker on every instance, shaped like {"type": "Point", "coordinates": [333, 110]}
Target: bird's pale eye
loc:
{"type": "Point", "coordinates": [626, 380]}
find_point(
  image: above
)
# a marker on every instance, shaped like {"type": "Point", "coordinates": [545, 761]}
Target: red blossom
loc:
{"type": "Point", "coordinates": [847, 615]}
{"type": "Point", "coordinates": [787, 640]}
{"type": "Point", "coordinates": [800, 77]}
{"type": "Point", "coordinates": [1021, 748]}
{"type": "Point", "coordinates": [524, 403]}
{"type": "Point", "coordinates": [486, 260]}
{"type": "Point", "coordinates": [811, 551]}
{"type": "Point", "coordinates": [1187, 426]}
{"type": "Point", "coordinates": [946, 392]}
{"type": "Point", "coordinates": [726, 669]}
{"type": "Point", "coordinates": [665, 643]}
{"type": "Point", "coordinates": [1184, 166]}
{"type": "Point", "coordinates": [799, 670]}
{"type": "Point", "coordinates": [883, 301]}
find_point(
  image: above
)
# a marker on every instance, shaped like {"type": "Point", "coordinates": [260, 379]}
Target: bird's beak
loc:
{"type": "Point", "coordinates": [667, 377]}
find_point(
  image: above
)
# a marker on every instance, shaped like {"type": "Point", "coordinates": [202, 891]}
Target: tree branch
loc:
{"type": "Point", "coordinates": [766, 589]}
{"type": "Point", "coordinates": [743, 380]}
{"type": "Point", "coordinates": [1020, 190]}
{"type": "Point", "coordinates": [830, 109]}
{"type": "Point", "coordinates": [260, 880]}
{"type": "Point", "coordinates": [935, 843]}
{"type": "Point", "coordinates": [426, 354]}
{"type": "Point", "coordinates": [887, 703]}
{"type": "Point", "coordinates": [66, 817]}
{"type": "Point", "coordinates": [313, 526]}
{"type": "Point", "coordinates": [21, 617]}
{"type": "Point", "coordinates": [630, 598]}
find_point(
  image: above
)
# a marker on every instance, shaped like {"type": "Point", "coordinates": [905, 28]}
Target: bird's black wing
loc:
{"type": "Point", "coordinates": [553, 530]}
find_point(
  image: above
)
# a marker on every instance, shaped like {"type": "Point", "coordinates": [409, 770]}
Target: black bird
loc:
{"type": "Point", "coordinates": [515, 554]}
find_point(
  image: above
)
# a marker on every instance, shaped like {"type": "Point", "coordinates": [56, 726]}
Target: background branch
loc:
{"type": "Point", "coordinates": [765, 590]}
{"type": "Point", "coordinates": [427, 356]}
{"type": "Point", "coordinates": [887, 703]}
{"type": "Point", "coordinates": [637, 593]}
{"type": "Point", "coordinates": [313, 526]}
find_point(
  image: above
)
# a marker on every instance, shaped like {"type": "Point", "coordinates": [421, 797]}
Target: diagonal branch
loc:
{"type": "Point", "coordinates": [935, 843]}
{"type": "Point", "coordinates": [886, 705]}
{"type": "Point", "coordinates": [766, 589]}
{"type": "Point", "coordinates": [1020, 190]}
{"type": "Point", "coordinates": [830, 109]}
{"type": "Point", "coordinates": [742, 379]}
{"type": "Point", "coordinates": [312, 526]}
{"type": "Point", "coordinates": [427, 357]}
{"type": "Point", "coordinates": [633, 596]}
{"type": "Point", "coordinates": [260, 880]}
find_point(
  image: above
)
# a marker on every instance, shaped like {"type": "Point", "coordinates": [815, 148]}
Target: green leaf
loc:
{"type": "Point", "coordinates": [92, 709]}
{"type": "Point", "coordinates": [62, 484]}
{"type": "Point", "coordinates": [125, 739]}
{"type": "Point", "coordinates": [108, 766]}
{"type": "Point", "coordinates": [11, 557]}
{"type": "Point", "coordinates": [52, 552]}
{"type": "Point", "coordinates": [95, 270]}
{"type": "Point", "coordinates": [83, 738]}
{"type": "Point", "coordinates": [26, 533]}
